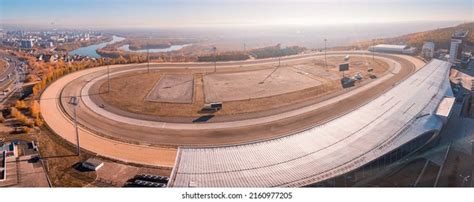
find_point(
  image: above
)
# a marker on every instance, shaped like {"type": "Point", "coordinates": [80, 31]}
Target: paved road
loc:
{"type": "Point", "coordinates": [95, 141]}
{"type": "Point", "coordinates": [10, 70]}
{"type": "Point", "coordinates": [8, 77]}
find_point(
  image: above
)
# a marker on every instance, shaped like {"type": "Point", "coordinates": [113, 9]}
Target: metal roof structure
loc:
{"type": "Point", "coordinates": [389, 48]}
{"type": "Point", "coordinates": [327, 150]}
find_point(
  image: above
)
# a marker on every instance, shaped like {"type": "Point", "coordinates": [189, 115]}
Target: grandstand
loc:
{"type": "Point", "coordinates": [393, 120]}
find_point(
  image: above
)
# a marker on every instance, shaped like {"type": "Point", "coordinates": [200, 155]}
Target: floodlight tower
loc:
{"type": "Point", "coordinates": [215, 58]}
{"type": "Point", "coordinates": [74, 102]}
{"type": "Point", "coordinates": [325, 50]}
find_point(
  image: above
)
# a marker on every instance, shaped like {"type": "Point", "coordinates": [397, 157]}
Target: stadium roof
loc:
{"type": "Point", "coordinates": [401, 49]}
{"type": "Point", "coordinates": [327, 150]}
{"type": "Point", "coordinates": [390, 46]}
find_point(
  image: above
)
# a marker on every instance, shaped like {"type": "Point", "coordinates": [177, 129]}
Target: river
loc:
{"type": "Point", "coordinates": [91, 50]}
{"type": "Point", "coordinates": [154, 50]}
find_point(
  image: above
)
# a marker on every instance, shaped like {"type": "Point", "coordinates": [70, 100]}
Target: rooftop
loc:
{"type": "Point", "coordinates": [460, 34]}
{"type": "Point", "coordinates": [390, 46]}
{"type": "Point", "coordinates": [428, 44]}
{"type": "Point", "coordinates": [327, 150]}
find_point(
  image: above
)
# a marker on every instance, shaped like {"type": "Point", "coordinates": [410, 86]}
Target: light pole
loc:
{"type": "Point", "coordinates": [215, 58]}
{"type": "Point", "coordinates": [108, 78]}
{"type": "Point", "coordinates": [325, 49]}
{"type": "Point", "coordinates": [373, 49]}
{"type": "Point", "coordinates": [74, 102]}
{"type": "Point", "coordinates": [17, 80]}
{"type": "Point", "coordinates": [148, 59]}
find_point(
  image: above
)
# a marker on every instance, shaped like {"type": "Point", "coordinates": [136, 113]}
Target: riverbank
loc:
{"type": "Point", "coordinates": [76, 45]}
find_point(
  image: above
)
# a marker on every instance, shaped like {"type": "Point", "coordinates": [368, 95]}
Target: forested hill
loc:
{"type": "Point", "coordinates": [441, 37]}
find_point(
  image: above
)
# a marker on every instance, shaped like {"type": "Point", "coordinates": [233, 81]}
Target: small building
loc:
{"type": "Point", "coordinates": [388, 48]}
{"type": "Point", "coordinates": [9, 148]}
{"type": "Point", "coordinates": [92, 164]}
{"type": "Point", "coordinates": [428, 49]}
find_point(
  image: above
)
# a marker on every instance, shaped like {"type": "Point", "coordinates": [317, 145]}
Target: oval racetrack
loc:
{"type": "Point", "coordinates": [134, 140]}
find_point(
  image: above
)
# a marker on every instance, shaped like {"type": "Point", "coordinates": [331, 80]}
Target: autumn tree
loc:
{"type": "Point", "coordinates": [15, 113]}
{"type": "Point", "coordinates": [35, 109]}
{"type": "Point", "coordinates": [20, 104]}
{"type": "Point", "coordinates": [2, 119]}
{"type": "Point", "coordinates": [31, 78]}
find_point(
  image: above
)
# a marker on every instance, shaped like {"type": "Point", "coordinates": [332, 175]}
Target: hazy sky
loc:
{"type": "Point", "coordinates": [181, 13]}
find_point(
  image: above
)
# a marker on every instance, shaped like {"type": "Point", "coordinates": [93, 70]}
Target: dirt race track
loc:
{"type": "Point", "coordinates": [245, 92]}
{"type": "Point", "coordinates": [145, 140]}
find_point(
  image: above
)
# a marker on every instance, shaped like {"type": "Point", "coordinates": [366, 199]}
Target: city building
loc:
{"type": "Point", "coordinates": [428, 49]}
{"type": "Point", "coordinates": [456, 47]}
{"type": "Point", "coordinates": [388, 48]}
{"type": "Point", "coordinates": [45, 44]}
{"type": "Point", "coordinates": [26, 43]}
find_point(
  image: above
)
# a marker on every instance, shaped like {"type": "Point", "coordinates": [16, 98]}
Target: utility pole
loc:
{"type": "Point", "coordinates": [244, 47]}
{"type": "Point", "coordinates": [325, 50]}
{"type": "Point", "coordinates": [215, 58]}
{"type": "Point", "coordinates": [74, 102]}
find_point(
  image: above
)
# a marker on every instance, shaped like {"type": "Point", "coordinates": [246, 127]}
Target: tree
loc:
{"type": "Point", "coordinates": [20, 104]}
{"type": "Point", "coordinates": [31, 78]}
{"type": "Point", "coordinates": [15, 113]}
{"type": "Point", "coordinates": [38, 121]}
{"type": "Point", "coordinates": [35, 109]}
{"type": "Point", "coordinates": [2, 119]}
{"type": "Point", "coordinates": [26, 130]}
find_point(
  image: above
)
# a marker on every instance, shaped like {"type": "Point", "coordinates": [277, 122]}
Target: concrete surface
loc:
{"type": "Point", "coordinates": [176, 88]}
{"type": "Point", "coordinates": [250, 85]}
